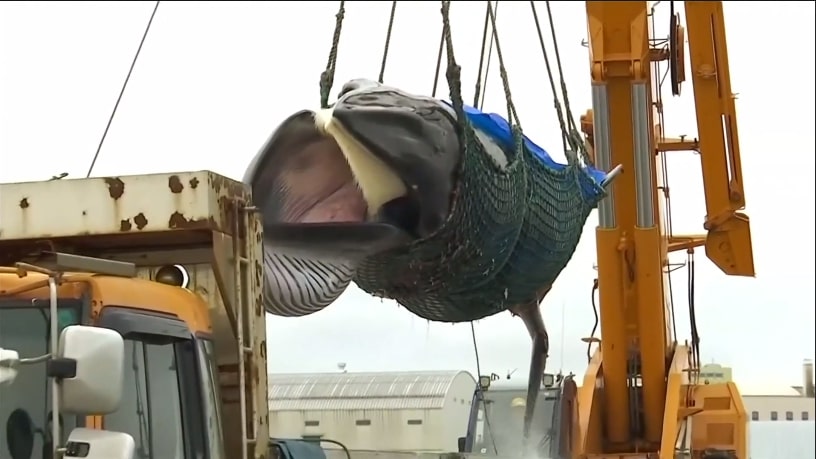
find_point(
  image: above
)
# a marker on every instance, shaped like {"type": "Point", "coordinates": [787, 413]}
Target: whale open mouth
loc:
{"type": "Point", "coordinates": [321, 186]}
{"type": "Point", "coordinates": [377, 168]}
{"type": "Point", "coordinates": [375, 172]}
{"type": "Point", "coordinates": [335, 178]}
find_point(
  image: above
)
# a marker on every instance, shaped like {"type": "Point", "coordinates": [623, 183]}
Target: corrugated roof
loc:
{"type": "Point", "coordinates": [361, 391]}
{"type": "Point", "coordinates": [767, 390]}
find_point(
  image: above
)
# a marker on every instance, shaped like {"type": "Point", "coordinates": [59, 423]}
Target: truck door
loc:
{"type": "Point", "coordinates": [163, 402]}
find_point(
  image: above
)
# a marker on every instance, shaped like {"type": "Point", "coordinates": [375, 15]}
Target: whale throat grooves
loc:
{"type": "Point", "coordinates": [311, 171]}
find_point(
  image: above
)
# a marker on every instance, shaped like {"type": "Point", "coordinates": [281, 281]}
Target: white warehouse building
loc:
{"type": "Point", "coordinates": [394, 411]}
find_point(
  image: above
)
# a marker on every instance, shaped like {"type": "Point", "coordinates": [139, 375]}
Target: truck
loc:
{"type": "Point", "coordinates": [169, 262]}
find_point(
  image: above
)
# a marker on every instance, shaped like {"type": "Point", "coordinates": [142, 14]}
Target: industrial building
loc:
{"type": "Point", "coordinates": [791, 403]}
{"type": "Point", "coordinates": [428, 409]}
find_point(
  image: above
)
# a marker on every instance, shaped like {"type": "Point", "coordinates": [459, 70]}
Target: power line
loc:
{"type": "Point", "coordinates": [124, 86]}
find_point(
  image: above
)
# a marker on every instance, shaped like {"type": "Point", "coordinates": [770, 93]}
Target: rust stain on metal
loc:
{"type": "Point", "coordinates": [125, 225]}
{"type": "Point", "coordinates": [174, 182]}
{"type": "Point", "coordinates": [140, 220]}
{"type": "Point", "coordinates": [231, 197]}
{"type": "Point", "coordinates": [227, 187]}
{"type": "Point", "coordinates": [194, 183]}
{"type": "Point", "coordinates": [24, 203]}
{"type": "Point", "coordinates": [258, 273]}
{"type": "Point", "coordinates": [226, 209]}
{"type": "Point", "coordinates": [116, 187]}
{"type": "Point", "coordinates": [179, 221]}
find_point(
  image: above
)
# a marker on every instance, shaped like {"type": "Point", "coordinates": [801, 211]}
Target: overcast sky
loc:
{"type": "Point", "coordinates": [214, 79]}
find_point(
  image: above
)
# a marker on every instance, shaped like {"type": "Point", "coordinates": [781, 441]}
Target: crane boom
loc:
{"type": "Point", "coordinates": [632, 400]}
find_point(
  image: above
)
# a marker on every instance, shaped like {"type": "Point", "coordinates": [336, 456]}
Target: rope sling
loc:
{"type": "Point", "coordinates": [511, 230]}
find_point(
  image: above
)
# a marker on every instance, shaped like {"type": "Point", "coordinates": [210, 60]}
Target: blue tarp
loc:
{"type": "Point", "coordinates": [498, 129]}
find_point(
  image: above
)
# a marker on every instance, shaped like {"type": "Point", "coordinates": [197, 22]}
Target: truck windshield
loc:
{"type": "Point", "coordinates": [25, 404]}
{"type": "Point", "coordinates": [151, 410]}
{"type": "Point", "coordinates": [500, 431]}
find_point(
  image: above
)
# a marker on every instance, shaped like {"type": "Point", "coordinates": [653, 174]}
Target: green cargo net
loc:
{"type": "Point", "coordinates": [509, 235]}
{"type": "Point", "coordinates": [511, 230]}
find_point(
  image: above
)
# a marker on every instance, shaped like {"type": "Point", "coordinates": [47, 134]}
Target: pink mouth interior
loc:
{"type": "Point", "coordinates": [317, 187]}
{"type": "Point", "coordinates": [344, 205]}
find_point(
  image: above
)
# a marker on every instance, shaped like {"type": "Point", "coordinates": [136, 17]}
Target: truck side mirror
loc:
{"type": "Point", "coordinates": [461, 444]}
{"type": "Point", "coordinates": [90, 366]}
{"type": "Point", "coordinates": [99, 444]}
{"type": "Point", "coordinates": [8, 361]}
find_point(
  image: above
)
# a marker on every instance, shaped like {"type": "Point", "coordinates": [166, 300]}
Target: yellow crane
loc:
{"type": "Point", "coordinates": [641, 393]}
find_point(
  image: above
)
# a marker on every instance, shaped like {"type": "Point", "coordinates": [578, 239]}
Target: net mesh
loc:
{"type": "Point", "coordinates": [510, 233]}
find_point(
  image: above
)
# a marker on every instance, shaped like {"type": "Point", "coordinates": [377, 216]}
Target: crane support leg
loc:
{"type": "Point", "coordinates": [630, 245]}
